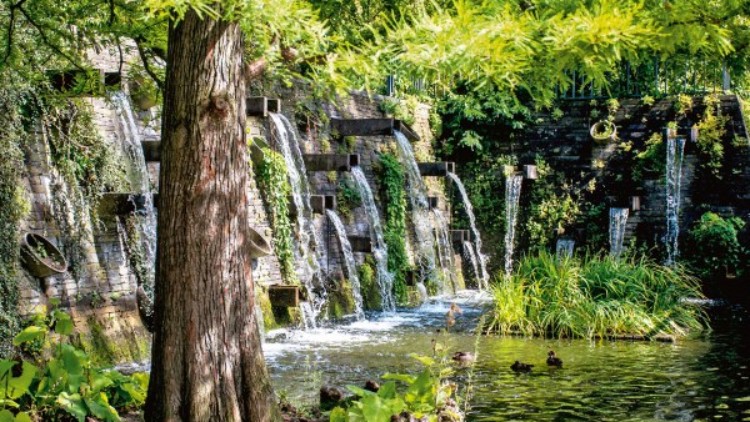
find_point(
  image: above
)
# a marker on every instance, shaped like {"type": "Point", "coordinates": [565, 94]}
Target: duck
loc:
{"type": "Point", "coordinates": [521, 367]}
{"type": "Point", "coordinates": [463, 357]}
{"type": "Point", "coordinates": [553, 360]}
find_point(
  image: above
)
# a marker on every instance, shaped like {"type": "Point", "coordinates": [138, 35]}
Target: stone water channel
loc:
{"type": "Point", "coordinates": [707, 378]}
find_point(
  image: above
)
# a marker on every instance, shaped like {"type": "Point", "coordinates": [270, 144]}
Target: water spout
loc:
{"type": "Point", "coordinates": [350, 265]}
{"type": "Point", "coordinates": [512, 199]}
{"type": "Point", "coordinates": [618, 219]}
{"type": "Point", "coordinates": [675, 151]}
{"type": "Point", "coordinates": [480, 258]}
{"type": "Point", "coordinates": [564, 247]}
{"type": "Point", "coordinates": [471, 256]}
{"type": "Point", "coordinates": [380, 251]}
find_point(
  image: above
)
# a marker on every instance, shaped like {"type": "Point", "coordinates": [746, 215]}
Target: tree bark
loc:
{"type": "Point", "coordinates": [207, 362]}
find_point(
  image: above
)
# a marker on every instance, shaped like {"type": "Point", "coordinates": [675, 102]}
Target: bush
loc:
{"type": "Point", "coordinates": [595, 297]}
{"type": "Point", "coordinates": [714, 248]}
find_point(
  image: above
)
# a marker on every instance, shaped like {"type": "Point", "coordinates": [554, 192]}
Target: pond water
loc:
{"type": "Point", "coordinates": [691, 380]}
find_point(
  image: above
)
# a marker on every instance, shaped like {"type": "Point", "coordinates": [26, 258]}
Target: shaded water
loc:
{"type": "Point", "coordinates": [512, 197]}
{"type": "Point", "coordinates": [564, 248]}
{"type": "Point", "coordinates": [350, 264]}
{"type": "Point", "coordinates": [601, 381]}
{"type": "Point", "coordinates": [481, 259]}
{"type": "Point", "coordinates": [675, 151]}
{"type": "Point", "coordinates": [618, 220]}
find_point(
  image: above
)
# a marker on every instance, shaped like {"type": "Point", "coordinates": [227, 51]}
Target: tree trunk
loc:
{"type": "Point", "coordinates": [207, 359]}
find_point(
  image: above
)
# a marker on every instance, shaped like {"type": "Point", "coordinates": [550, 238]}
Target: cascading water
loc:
{"type": "Point", "coordinates": [618, 219]}
{"type": "Point", "coordinates": [564, 247]}
{"type": "Point", "coordinates": [379, 249]}
{"type": "Point", "coordinates": [481, 259]}
{"type": "Point", "coordinates": [140, 183]}
{"type": "Point", "coordinates": [675, 150]}
{"type": "Point", "coordinates": [349, 263]}
{"type": "Point", "coordinates": [423, 224]}
{"type": "Point", "coordinates": [470, 256]}
{"type": "Point", "coordinates": [444, 249]}
{"type": "Point", "coordinates": [512, 199]}
{"type": "Point", "coordinates": [309, 243]}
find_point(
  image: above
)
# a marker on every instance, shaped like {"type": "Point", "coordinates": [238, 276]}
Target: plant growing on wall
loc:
{"type": "Point", "coordinates": [273, 182]}
{"type": "Point", "coordinates": [392, 182]}
{"type": "Point", "coordinates": [711, 130]}
{"type": "Point", "coordinates": [11, 211]}
{"type": "Point", "coordinates": [347, 197]}
{"type": "Point", "coordinates": [715, 251]}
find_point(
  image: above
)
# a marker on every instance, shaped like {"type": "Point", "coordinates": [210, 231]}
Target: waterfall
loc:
{"type": "Point", "coordinates": [349, 263]}
{"type": "Point", "coordinates": [444, 250]}
{"type": "Point", "coordinates": [675, 150]}
{"type": "Point", "coordinates": [139, 179]}
{"type": "Point", "coordinates": [512, 199]}
{"type": "Point", "coordinates": [618, 219]}
{"type": "Point", "coordinates": [564, 248]}
{"type": "Point", "coordinates": [379, 249]}
{"type": "Point", "coordinates": [424, 226]}
{"type": "Point", "coordinates": [480, 258]}
{"type": "Point", "coordinates": [470, 256]}
{"type": "Point", "coordinates": [308, 244]}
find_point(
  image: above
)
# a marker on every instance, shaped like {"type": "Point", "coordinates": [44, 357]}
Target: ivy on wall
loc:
{"type": "Point", "coordinates": [392, 182]}
{"type": "Point", "coordinates": [274, 186]}
{"type": "Point", "coordinates": [11, 211]}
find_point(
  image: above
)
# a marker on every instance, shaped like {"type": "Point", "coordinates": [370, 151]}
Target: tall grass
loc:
{"type": "Point", "coordinates": [596, 296]}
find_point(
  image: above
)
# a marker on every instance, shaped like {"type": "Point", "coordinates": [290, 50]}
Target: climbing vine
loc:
{"type": "Point", "coordinates": [274, 186]}
{"type": "Point", "coordinates": [11, 211]}
{"type": "Point", "coordinates": [711, 130]}
{"type": "Point", "coordinates": [394, 197]}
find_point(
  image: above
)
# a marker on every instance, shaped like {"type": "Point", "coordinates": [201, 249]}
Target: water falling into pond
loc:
{"type": "Point", "coordinates": [512, 198]}
{"type": "Point", "coordinates": [618, 220]}
{"type": "Point", "coordinates": [470, 256]}
{"type": "Point", "coordinates": [481, 259]}
{"type": "Point", "coordinates": [379, 249]}
{"type": "Point", "coordinates": [675, 150]}
{"type": "Point", "coordinates": [564, 247]}
{"type": "Point", "coordinates": [308, 244]}
{"type": "Point", "coordinates": [350, 264]}
{"type": "Point", "coordinates": [424, 227]}
{"type": "Point", "coordinates": [139, 179]}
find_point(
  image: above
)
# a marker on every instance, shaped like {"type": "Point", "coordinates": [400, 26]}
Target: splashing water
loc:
{"type": "Point", "coordinates": [424, 226]}
{"type": "Point", "coordinates": [146, 221]}
{"type": "Point", "coordinates": [308, 243]}
{"type": "Point", "coordinates": [512, 199]}
{"type": "Point", "coordinates": [349, 263]}
{"type": "Point", "coordinates": [379, 249]}
{"type": "Point", "coordinates": [480, 258]}
{"type": "Point", "coordinates": [675, 150]}
{"type": "Point", "coordinates": [564, 248]}
{"type": "Point", "coordinates": [618, 219]}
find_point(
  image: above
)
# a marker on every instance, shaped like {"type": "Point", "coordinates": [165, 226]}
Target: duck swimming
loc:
{"type": "Point", "coordinates": [553, 360]}
{"type": "Point", "coordinates": [463, 357]}
{"type": "Point", "coordinates": [521, 367]}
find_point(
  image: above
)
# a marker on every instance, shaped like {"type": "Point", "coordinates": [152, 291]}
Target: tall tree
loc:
{"type": "Point", "coordinates": [207, 361]}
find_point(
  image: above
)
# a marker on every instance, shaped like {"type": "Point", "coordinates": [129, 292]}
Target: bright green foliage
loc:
{"type": "Point", "coordinates": [67, 385]}
{"type": "Point", "coordinates": [596, 297]}
{"type": "Point", "coordinates": [424, 395]}
{"type": "Point", "coordinates": [392, 182]}
{"type": "Point", "coordinates": [650, 161]}
{"type": "Point", "coordinates": [273, 181]}
{"type": "Point", "coordinates": [711, 131]}
{"type": "Point", "coordinates": [347, 197]}
{"type": "Point", "coordinates": [714, 249]}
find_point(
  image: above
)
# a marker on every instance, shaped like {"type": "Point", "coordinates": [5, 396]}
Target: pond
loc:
{"type": "Point", "coordinates": [701, 379]}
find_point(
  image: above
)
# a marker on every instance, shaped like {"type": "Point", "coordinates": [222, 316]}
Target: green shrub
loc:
{"type": "Point", "coordinates": [714, 250]}
{"type": "Point", "coordinates": [347, 197]}
{"type": "Point", "coordinates": [595, 297]}
{"type": "Point", "coordinates": [64, 384]}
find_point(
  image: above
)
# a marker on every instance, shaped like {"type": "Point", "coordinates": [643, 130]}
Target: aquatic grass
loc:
{"type": "Point", "coordinates": [596, 296]}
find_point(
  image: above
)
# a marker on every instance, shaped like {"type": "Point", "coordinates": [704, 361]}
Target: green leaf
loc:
{"type": "Point", "coordinates": [338, 415]}
{"type": "Point", "coordinates": [387, 390]}
{"type": "Point", "coordinates": [8, 403]}
{"type": "Point", "coordinates": [19, 386]}
{"type": "Point", "coordinates": [406, 379]}
{"type": "Point", "coordinates": [29, 334]}
{"type": "Point", "coordinates": [359, 391]}
{"type": "Point", "coordinates": [23, 417]}
{"type": "Point", "coordinates": [100, 407]}
{"type": "Point", "coordinates": [63, 323]}
{"type": "Point", "coordinates": [6, 416]}
{"type": "Point", "coordinates": [73, 404]}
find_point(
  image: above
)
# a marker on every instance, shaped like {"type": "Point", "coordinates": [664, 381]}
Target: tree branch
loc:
{"type": "Point", "coordinates": [11, 28]}
{"type": "Point", "coordinates": [147, 66]}
{"type": "Point", "coordinates": [47, 41]}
